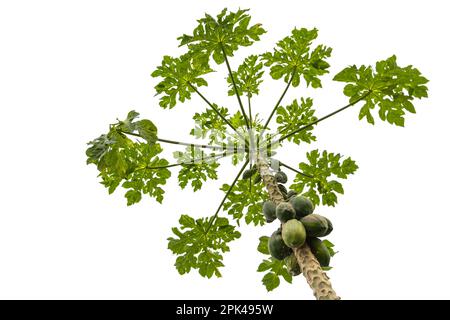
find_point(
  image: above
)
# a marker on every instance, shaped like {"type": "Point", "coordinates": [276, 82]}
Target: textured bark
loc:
{"type": "Point", "coordinates": [315, 276]}
{"type": "Point", "coordinates": [311, 270]}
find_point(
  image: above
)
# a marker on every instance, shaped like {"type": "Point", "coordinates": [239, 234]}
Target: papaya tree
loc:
{"type": "Point", "coordinates": [130, 154]}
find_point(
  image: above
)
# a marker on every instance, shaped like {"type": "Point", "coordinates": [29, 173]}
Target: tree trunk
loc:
{"type": "Point", "coordinates": [315, 276]}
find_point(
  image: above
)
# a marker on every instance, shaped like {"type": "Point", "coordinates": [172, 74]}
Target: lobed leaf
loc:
{"type": "Point", "coordinates": [320, 184]}
{"type": "Point", "coordinates": [225, 33]}
{"type": "Point", "coordinates": [294, 116]}
{"type": "Point", "coordinates": [330, 247]}
{"type": "Point", "coordinates": [121, 161]}
{"type": "Point", "coordinates": [389, 87]}
{"type": "Point", "coordinates": [274, 268]}
{"type": "Point", "coordinates": [263, 245]}
{"type": "Point", "coordinates": [294, 57]}
{"type": "Point", "coordinates": [209, 124]}
{"type": "Point", "coordinates": [245, 201]}
{"type": "Point", "coordinates": [200, 245]}
{"type": "Point", "coordinates": [248, 77]}
{"type": "Point", "coordinates": [180, 77]}
{"type": "Point", "coordinates": [194, 171]}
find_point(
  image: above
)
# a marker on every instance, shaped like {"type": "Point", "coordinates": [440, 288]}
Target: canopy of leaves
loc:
{"type": "Point", "coordinates": [323, 168]}
{"type": "Point", "coordinates": [200, 245]}
{"type": "Point", "coordinates": [225, 33]}
{"type": "Point", "coordinates": [180, 77]}
{"type": "Point", "coordinates": [197, 167]}
{"type": "Point", "coordinates": [389, 87]}
{"type": "Point", "coordinates": [274, 268]}
{"type": "Point", "coordinates": [247, 77]}
{"type": "Point", "coordinates": [294, 57]}
{"type": "Point", "coordinates": [245, 200]}
{"type": "Point", "coordinates": [294, 116]}
{"type": "Point", "coordinates": [120, 160]}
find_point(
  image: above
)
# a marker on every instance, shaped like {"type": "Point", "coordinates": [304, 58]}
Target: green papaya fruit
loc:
{"type": "Point", "coordinates": [257, 178]}
{"type": "Point", "coordinates": [282, 189]}
{"type": "Point", "coordinates": [315, 225]}
{"type": "Point", "coordinates": [269, 210]}
{"type": "Point", "coordinates": [291, 193]}
{"type": "Point", "coordinates": [281, 177]}
{"type": "Point", "coordinates": [293, 233]}
{"type": "Point", "coordinates": [247, 174]}
{"type": "Point", "coordinates": [320, 251]}
{"type": "Point", "coordinates": [330, 227]}
{"type": "Point", "coordinates": [277, 248]}
{"type": "Point", "coordinates": [292, 265]}
{"type": "Point", "coordinates": [285, 212]}
{"type": "Point", "coordinates": [302, 205]}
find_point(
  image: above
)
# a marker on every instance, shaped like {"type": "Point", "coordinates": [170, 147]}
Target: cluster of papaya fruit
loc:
{"type": "Point", "coordinates": [298, 225]}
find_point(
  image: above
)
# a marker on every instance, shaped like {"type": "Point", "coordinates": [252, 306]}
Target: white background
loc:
{"type": "Point", "coordinates": [69, 68]}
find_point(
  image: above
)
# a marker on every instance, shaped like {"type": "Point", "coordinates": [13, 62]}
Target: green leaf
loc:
{"type": "Point", "coordinates": [238, 121]}
{"type": "Point", "coordinates": [227, 32]}
{"type": "Point", "coordinates": [197, 174]}
{"type": "Point", "coordinates": [139, 158]}
{"type": "Point", "coordinates": [264, 266]}
{"type": "Point", "coordinates": [330, 247]}
{"type": "Point", "coordinates": [349, 74]}
{"type": "Point", "coordinates": [248, 77]}
{"type": "Point", "coordinates": [98, 148]}
{"type": "Point", "coordinates": [196, 167]}
{"type": "Point", "coordinates": [320, 185]}
{"type": "Point", "coordinates": [275, 268]}
{"type": "Point", "coordinates": [122, 161]}
{"type": "Point", "coordinates": [129, 124]}
{"type": "Point", "coordinates": [271, 281]}
{"type": "Point", "coordinates": [245, 201]}
{"type": "Point", "coordinates": [133, 196]}
{"type": "Point", "coordinates": [294, 116]}
{"type": "Point", "coordinates": [293, 56]}
{"type": "Point", "coordinates": [209, 124]}
{"type": "Point", "coordinates": [389, 87]}
{"type": "Point", "coordinates": [263, 245]}
{"type": "Point", "coordinates": [199, 245]}
{"type": "Point", "coordinates": [147, 130]}
{"type": "Point", "coordinates": [180, 77]}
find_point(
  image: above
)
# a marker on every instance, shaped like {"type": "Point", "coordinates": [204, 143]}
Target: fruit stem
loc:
{"type": "Point", "coordinates": [241, 106]}
{"type": "Point", "coordinates": [194, 161]}
{"type": "Point", "coordinates": [295, 170]}
{"type": "Point", "coordinates": [250, 110]}
{"type": "Point", "coordinates": [226, 196]}
{"type": "Point", "coordinates": [218, 113]}
{"type": "Point", "coordinates": [203, 146]}
{"type": "Point", "coordinates": [306, 126]}
{"type": "Point", "coordinates": [280, 99]}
